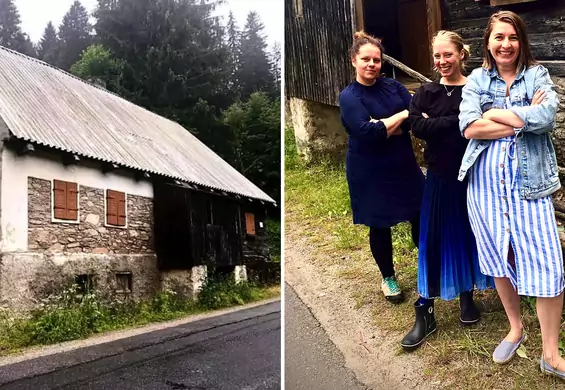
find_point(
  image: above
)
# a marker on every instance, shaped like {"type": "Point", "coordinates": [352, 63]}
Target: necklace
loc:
{"type": "Point", "coordinates": [449, 92]}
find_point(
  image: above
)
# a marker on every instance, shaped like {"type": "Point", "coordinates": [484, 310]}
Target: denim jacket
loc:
{"type": "Point", "coordinates": [537, 164]}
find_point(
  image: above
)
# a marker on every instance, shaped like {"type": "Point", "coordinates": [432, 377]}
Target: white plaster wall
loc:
{"type": "Point", "coordinates": [15, 172]}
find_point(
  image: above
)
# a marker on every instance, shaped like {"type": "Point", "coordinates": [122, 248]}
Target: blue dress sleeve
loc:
{"type": "Point", "coordinates": [356, 118]}
{"type": "Point", "coordinates": [404, 94]}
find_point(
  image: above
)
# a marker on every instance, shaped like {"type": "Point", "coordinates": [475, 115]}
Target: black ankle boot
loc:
{"type": "Point", "coordinates": [424, 326]}
{"type": "Point", "coordinates": [469, 313]}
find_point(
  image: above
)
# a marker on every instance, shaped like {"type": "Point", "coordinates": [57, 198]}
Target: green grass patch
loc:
{"type": "Point", "coordinates": [317, 207]}
{"type": "Point", "coordinates": [71, 316]}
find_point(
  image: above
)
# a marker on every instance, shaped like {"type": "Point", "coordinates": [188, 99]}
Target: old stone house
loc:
{"type": "Point", "coordinates": [324, 30]}
{"type": "Point", "coordinates": [97, 190]}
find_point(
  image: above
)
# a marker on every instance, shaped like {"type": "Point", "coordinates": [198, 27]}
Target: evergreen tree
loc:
{"type": "Point", "coordinates": [11, 35]}
{"type": "Point", "coordinates": [276, 65]}
{"type": "Point", "coordinates": [74, 35]}
{"type": "Point", "coordinates": [254, 73]}
{"type": "Point", "coordinates": [233, 40]}
{"type": "Point", "coordinates": [47, 47]}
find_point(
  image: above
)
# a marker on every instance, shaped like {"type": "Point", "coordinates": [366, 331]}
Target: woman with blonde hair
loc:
{"type": "Point", "coordinates": [385, 181]}
{"type": "Point", "coordinates": [508, 111]}
{"type": "Point", "coordinates": [447, 259]}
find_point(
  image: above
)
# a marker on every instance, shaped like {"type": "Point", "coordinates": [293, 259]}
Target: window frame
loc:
{"type": "Point", "coordinates": [126, 216]}
{"type": "Point", "coordinates": [250, 232]}
{"type": "Point", "coordinates": [54, 219]}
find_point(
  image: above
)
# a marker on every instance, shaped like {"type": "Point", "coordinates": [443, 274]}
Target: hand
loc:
{"type": "Point", "coordinates": [538, 98]}
{"type": "Point", "coordinates": [425, 115]}
{"type": "Point", "coordinates": [373, 120]}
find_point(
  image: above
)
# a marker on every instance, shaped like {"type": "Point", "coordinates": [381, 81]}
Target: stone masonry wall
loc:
{"type": "Point", "coordinates": [90, 235]}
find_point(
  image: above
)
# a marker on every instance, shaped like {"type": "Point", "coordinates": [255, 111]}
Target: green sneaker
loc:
{"type": "Point", "coordinates": [391, 290]}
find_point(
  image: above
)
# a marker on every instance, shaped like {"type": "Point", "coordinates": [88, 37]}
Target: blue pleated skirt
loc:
{"type": "Point", "coordinates": [447, 259]}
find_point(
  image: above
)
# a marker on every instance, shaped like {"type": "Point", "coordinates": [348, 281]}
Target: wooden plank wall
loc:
{"type": "Point", "coordinates": [545, 20]}
{"type": "Point", "coordinates": [317, 64]}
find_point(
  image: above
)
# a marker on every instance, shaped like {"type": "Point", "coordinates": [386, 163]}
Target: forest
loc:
{"type": "Point", "coordinates": [181, 60]}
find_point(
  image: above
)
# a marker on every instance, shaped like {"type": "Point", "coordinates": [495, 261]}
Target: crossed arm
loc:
{"type": "Point", "coordinates": [498, 123]}
{"type": "Point", "coordinates": [537, 118]}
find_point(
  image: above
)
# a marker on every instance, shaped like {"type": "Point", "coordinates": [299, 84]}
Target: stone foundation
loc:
{"type": "Point", "coordinates": [187, 283]}
{"type": "Point", "coordinates": [318, 130]}
{"type": "Point", "coordinates": [27, 278]}
{"type": "Point", "coordinates": [240, 273]}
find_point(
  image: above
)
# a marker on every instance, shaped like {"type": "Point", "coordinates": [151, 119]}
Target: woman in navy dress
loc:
{"type": "Point", "coordinates": [385, 181]}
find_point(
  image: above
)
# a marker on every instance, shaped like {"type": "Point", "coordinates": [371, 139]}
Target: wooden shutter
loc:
{"type": "Point", "coordinates": [65, 200]}
{"type": "Point", "coordinates": [121, 199]}
{"type": "Point", "coordinates": [60, 199]}
{"type": "Point", "coordinates": [250, 223]}
{"type": "Point", "coordinates": [115, 208]}
{"type": "Point", "coordinates": [72, 201]}
{"type": "Point", "coordinates": [111, 207]}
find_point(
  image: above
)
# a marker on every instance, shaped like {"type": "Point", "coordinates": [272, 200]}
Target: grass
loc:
{"type": "Point", "coordinates": [317, 207]}
{"type": "Point", "coordinates": [71, 316]}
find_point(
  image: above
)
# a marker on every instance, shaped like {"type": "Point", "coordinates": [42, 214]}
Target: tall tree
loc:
{"type": "Point", "coordinates": [47, 48]}
{"type": "Point", "coordinates": [11, 35]}
{"type": "Point", "coordinates": [173, 52]}
{"type": "Point", "coordinates": [256, 127]}
{"type": "Point", "coordinates": [74, 35]}
{"type": "Point", "coordinates": [276, 65]}
{"type": "Point", "coordinates": [97, 65]}
{"type": "Point", "coordinates": [254, 73]}
{"type": "Point", "coordinates": [233, 41]}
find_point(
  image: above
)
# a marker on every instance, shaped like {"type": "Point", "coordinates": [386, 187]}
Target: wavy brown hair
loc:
{"type": "Point", "coordinates": [525, 58]}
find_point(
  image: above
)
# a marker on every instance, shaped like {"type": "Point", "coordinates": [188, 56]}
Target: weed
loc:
{"type": "Point", "coordinates": [70, 315]}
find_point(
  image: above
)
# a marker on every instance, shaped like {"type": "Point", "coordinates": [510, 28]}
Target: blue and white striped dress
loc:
{"type": "Point", "coordinates": [500, 218]}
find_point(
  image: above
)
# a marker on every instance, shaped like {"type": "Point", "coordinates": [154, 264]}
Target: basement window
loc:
{"type": "Point", "coordinates": [124, 282]}
{"type": "Point", "coordinates": [84, 283]}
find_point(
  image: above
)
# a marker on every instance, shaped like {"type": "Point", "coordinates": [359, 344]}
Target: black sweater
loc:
{"type": "Point", "coordinates": [445, 145]}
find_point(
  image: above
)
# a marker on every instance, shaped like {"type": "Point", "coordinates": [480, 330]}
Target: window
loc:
{"type": "Point", "coordinates": [506, 2]}
{"type": "Point", "coordinates": [115, 208]}
{"type": "Point", "coordinates": [65, 200]}
{"type": "Point", "coordinates": [250, 223]}
{"type": "Point", "coordinates": [124, 281]}
{"type": "Point", "coordinates": [84, 283]}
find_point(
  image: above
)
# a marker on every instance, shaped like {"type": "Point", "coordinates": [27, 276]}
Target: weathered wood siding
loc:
{"type": "Point", "coordinates": [545, 20]}
{"type": "Point", "coordinates": [317, 64]}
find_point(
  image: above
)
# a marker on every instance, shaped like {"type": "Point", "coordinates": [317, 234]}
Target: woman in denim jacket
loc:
{"type": "Point", "coordinates": [507, 111]}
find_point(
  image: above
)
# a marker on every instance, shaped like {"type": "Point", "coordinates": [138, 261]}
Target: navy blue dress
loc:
{"type": "Point", "coordinates": [385, 181]}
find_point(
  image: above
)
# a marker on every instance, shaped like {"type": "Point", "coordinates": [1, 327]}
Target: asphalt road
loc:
{"type": "Point", "coordinates": [240, 350]}
{"type": "Point", "coordinates": [312, 361]}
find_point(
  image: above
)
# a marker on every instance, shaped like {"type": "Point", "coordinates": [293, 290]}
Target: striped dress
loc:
{"type": "Point", "coordinates": [500, 219]}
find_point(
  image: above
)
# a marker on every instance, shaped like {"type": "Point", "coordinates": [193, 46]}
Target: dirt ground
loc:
{"type": "Point", "coordinates": [373, 356]}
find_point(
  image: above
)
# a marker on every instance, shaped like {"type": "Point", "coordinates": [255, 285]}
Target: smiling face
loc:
{"type": "Point", "coordinates": [504, 45]}
{"type": "Point", "coordinates": [447, 60]}
{"type": "Point", "coordinates": [367, 63]}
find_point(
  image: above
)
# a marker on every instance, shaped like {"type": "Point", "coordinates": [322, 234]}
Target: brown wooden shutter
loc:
{"type": "Point", "coordinates": [250, 223]}
{"type": "Point", "coordinates": [72, 201]}
{"type": "Point", "coordinates": [60, 199]}
{"type": "Point", "coordinates": [111, 207]}
{"type": "Point", "coordinates": [121, 197]}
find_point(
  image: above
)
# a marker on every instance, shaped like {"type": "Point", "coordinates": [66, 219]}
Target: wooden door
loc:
{"type": "Point", "coordinates": [419, 20]}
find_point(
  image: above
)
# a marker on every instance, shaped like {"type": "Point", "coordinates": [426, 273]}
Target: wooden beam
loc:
{"type": "Point", "coordinates": [409, 71]}
{"type": "Point", "coordinates": [359, 16]}
{"type": "Point", "coordinates": [433, 9]}
{"type": "Point", "coordinates": [494, 3]}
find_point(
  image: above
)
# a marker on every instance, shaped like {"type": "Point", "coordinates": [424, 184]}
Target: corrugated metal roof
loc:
{"type": "Point", "coordinates": [48, 106]}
